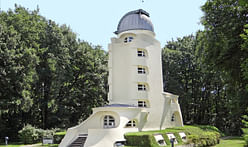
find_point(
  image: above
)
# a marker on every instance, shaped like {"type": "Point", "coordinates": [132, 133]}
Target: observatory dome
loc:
{"type": "Point", "coordinates": [135, 20]}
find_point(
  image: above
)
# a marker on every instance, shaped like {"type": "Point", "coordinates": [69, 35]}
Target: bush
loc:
{"type": "Point", "coordinates": [138, 140]}
{"type": "Point", "coordinates": [30, 134]}
{"type": "Point", "coordinates": [57, 138]}
{"type": "Point", "coordinates": [204, 140]}
{"type": "Point", "coordinates": [246, 140]}
{"type": "Point", "coordinates": [245, 131]}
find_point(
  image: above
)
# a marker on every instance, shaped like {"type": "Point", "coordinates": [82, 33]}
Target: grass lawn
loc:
{"type": "Point", "coordinates": [52, 145]}
{"type": "Point", "coordinates": [15, 145]}
{"type": "Point", "coordinates": [11, 145]}
{"type": "Point", "coordinates": [232, 142]}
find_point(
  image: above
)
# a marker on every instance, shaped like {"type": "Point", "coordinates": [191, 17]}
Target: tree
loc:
{"type": "Point", "coordinates": [206, 95]}
{"type": "Point", "coordinates": [225, 49]}
{"type": "Point", "coordinates": [48, 77]}
{"type": "Point", "coordinates": [224, 22]}
{"type": "Point", "coordinates": [17, 61]}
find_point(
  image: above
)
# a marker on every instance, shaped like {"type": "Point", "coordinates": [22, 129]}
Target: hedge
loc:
{"type": "Point", "coordinates": [201, 136]}
{"type": "Point", "coordinates": [139, 140]}
{"type": "Point", "coordinates": [204, 140]}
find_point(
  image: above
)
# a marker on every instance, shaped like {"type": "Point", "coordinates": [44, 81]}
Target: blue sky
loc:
{"type": "Point", "coordinates": [96, 20]}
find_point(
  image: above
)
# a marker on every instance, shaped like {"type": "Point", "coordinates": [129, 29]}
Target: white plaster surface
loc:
{"type": "Point", "coordinates": [123, 80]}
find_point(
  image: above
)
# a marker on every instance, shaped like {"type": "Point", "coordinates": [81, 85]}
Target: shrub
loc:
{"type": "Point", "coordinates": [245, 131]}
{"type": "Point", "coordinates": [246, 140]}
{"type": "Point", "coordinates": [193, 139]}
{"type": "Point", "coordinates": [57, 138]}
{"type": "Point", "coordinates": [29, 134]}
{"type": "Point", "coordinates": [204, 140]}
{"type": "Point", "coordinates": [139, 140]}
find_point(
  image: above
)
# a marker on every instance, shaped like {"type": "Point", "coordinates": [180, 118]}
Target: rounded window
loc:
{"type": "Point", "coordinates": [131, 124]}
{"type": "Point", "coordinates": [128, 39]}
{"type": "Point", "coordinates": [108, 121]}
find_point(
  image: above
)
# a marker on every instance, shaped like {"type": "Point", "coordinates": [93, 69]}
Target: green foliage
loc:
{"type": "Point", "coordinates": [224, 22]}
{"type": "Point", "coordinates": [30, 134]}
{"type": "Point", "coordinates": [244, 130]}
{"type": "Point", "coordinates": [166, 139]}
{"type": "Point", "coordinates": [57, 138]}
{"type": "Point", "coordinates": [207, 95]}
{"type": "Point", "coordinates": [199, 135]}
{"type": "Point", "coordinates": [210, 129]}
{"type": "Point", "coordinates": [225, 48]}
{"type": "Point", "coordinates": [246, 139]}
{"type": "Point", "coordinates": [60, 133]}
{"type": "Point", "coordinates": [143, 140]}
{"type": "Point", "coordinates": [245, 120]}
{"type": "Point", "coordinates": [244, 64]}
{"type": "Point", "coordinates": [204, 140]}
{"type": "Point", "coordinates": [48, 77]}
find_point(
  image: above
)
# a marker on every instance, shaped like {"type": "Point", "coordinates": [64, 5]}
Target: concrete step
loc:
{"type": "Point", "coordinates": [79, 142]}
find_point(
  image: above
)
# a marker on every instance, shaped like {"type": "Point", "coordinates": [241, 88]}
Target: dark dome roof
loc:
{"type": "Point", "coordinates": [135, 20]}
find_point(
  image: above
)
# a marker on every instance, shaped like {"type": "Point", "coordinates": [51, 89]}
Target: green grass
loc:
{"type": "Point", "coordinates": [19, 145]}
{"type": "Point", "coordinates": [50, 145]}
{"type": "Point", "coordinates": [11, 145]}
{"type": "Point", "coordinates": [61, 133]}
{"type": "Point", "coordinates": [232, 142]}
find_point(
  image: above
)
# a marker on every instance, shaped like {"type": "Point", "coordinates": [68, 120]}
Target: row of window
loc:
{"type": "Point", "coordinates": [141, 70]}
{"type": "Point", "coordinates": [109, 121]}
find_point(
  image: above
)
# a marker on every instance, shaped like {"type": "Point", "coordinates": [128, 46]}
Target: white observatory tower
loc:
{"type": "Point", "coordinates": [136, 98]}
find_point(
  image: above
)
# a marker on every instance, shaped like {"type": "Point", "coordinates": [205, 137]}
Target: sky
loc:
{"type": "Point", "coordinates": [95, 21]}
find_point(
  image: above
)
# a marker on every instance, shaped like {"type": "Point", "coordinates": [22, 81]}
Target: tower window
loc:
{"type": "Point", "coordinates": [173, 117]}
{"type": "Point", "coordinates": [141, 53]}
{"type": "Point", "coordinates": [131, 123]}
{"type": "Point", "coordinates": [128, 39]}
{"type": "Point", "coordinates": [141, 70]}
{"type": "Point", "coordinates": [142, 103]}
{"type": "Point", "coordinates": [108, 121]}
{"type": "Point", "coordinates": [141, 87]}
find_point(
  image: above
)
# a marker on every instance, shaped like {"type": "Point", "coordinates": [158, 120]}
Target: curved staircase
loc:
{"type": "Point", "coordinates": [79, 142]}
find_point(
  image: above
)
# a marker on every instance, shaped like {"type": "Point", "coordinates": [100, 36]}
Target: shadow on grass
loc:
{"type": "Point", "coordinates": [234, 138]}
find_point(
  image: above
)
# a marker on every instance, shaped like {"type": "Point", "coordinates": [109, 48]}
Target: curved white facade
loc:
{"type": "Point", "coordinates": [136, 98]}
